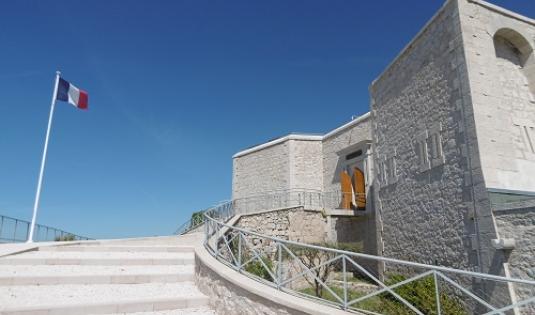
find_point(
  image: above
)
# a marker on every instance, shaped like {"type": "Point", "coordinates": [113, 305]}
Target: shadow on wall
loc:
{"type": "Point", "coordinates": [515, 52]}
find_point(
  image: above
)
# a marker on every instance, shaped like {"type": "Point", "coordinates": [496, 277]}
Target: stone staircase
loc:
{"type": "Point", "coordinates": [141, 276]}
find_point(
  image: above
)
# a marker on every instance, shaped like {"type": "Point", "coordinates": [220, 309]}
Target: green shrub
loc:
{"type": "Point", "coordinates": [65, 238]}
{"type": "Point", "coordinates": [420, 293]}
{"type": "Point", "coordinates": [256, 268]}
{"type": "Point", "coordinates": [197, 218]}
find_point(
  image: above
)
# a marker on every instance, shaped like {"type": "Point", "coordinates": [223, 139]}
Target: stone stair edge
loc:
{"type": "Point", "coordinates": [97, 261]}
{"type": "Point", "coordinates": [99, 279]}
{"type": "Point", "coordinates": [126, 305]}
{"type": "Point", "coordinates": [117, 248]}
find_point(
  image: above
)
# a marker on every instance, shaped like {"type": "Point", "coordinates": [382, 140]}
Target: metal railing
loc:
{"type": "Point", "coordinates": [314, 199]}
{"type": "Point", "coordinates": [382, 286]}
{"type": "Point", "coordinates": [14, 230]}
{"type": "Point", "coordinates": [223, 211]}
{"type": "Point", "coordinates": [279, 199]}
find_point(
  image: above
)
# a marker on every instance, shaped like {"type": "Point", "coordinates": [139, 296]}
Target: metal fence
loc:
{"type": "Point", "coordinates": [365, 283]}
{"type": "Point", "coordinates": [312, 199]}
{"type": "Point", "coordinates": [222, 211]}
{"type": "Point", "coordinates": [15, 230]}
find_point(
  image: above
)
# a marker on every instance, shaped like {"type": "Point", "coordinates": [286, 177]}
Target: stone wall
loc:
{"type": "Point", "coordinates": [264, 170]}
{"type": "Point", "coordinates": [294, 224]}
{"type": "Point", "coordinates": [227, 298]}
{"type": "Point", "coordinates": [425, 205]}
{"type": "Point", "coordinates": [306, 165]}
{"type": "Point", "coordinates": [501, 69]}
{"type": "Point", "coordinates": [519, 224]}
{"type": "Point", "coordinates": [279, 174]}
{"type": "Point", "coordinates": [333, 162]}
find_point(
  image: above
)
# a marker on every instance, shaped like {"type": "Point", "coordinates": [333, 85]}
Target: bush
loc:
{"type": "Point", "coordinates": [65, 238]}
{"type": "Point", "coordinates": [256, 268]}
{"type": "Point", "coordinates": [420, 293]}
{"type": "Point", "coordinates": [197, 218]}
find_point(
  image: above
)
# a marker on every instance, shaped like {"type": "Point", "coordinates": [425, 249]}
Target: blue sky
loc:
{"type": "Point", "coordinates": [175, 89]}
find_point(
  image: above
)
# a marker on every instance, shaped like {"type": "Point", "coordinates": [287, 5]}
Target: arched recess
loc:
{"type": "Point", "coordinates": [515, 66]}
{"type": "Point", "coordinates": [516, 60]}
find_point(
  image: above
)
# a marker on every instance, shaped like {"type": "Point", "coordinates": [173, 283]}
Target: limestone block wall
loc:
{"type": "Point", "coordinates": [424, 201]}
{"type": "Point", "coordinates": [312, 227]}
{"type": "Point", "coordinates": [279, 174]}
{"type": "Point", "coordinates": [294, 224]}
{"type": "Point", "coordinates": [501, 69]}
{"type": "Point", "coordinates": [519, 224]}
{"type": "Point", "coordinates": [333, 163]}
{"type": "Point", "coordinates": [228, 298]}
{"type": "Point", "coordinates": [306, 165]}
{"type": "Point", "coordinates": [264, 170]}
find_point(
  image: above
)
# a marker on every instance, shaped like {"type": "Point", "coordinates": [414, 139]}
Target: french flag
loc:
{"type": "Point", "coordinates": [71, 94]}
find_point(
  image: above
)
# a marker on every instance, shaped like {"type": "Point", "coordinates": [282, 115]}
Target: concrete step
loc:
{"type": "Point", "coordinates": [83, 274]}
{"type": "Point", "coordinates": [98, 258]}
{"type": "Point", "coordinates": [118, 248]}
{"type": "Point", "coordinates": [99, 299]}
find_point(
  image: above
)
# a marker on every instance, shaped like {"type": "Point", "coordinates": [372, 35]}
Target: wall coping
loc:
{"type": "Point", "coordinates": [410, 44]}
{"type": "Point", "coordinates": [503, 11]}
{"type": "Point", "coordinates": [482, 3]}
{"type": "Point", "coordinates": [303, 137]}
{"type": "Point", "coordinates": [330, 212]}
{"type": "Point", "coordinates": [261, 290]}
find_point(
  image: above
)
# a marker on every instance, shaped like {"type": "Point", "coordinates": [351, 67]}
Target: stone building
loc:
{"type": "Point", "coordinates": [446, 154]}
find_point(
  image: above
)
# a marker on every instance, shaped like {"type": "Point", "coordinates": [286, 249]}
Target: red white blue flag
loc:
{"type": "Point", "coordinates": [71, 94]}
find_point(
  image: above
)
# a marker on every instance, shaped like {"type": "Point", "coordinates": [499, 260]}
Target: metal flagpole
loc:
{"type": "Point", "coordinates": [43, 160]}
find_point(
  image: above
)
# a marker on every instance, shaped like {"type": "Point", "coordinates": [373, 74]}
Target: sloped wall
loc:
{"type": "Point", "coordinates": [424, 197]}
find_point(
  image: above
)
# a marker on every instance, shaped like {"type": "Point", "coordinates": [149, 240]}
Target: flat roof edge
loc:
{"type": "Point", "coordinates": [504, 11]}
{"type": "Point", "coordinates": [303, 137]}
{"type": "Point", "coordinates": [347, 125]}
{"type": "Point", "coordinates": [412, 41]}
{"type": "Point", "coordinates": [271, 143]}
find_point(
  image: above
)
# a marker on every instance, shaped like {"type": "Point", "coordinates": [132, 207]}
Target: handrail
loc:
{"type": "Point", "coordinates": [13, 230]}
{"type": "Point", "coordinates": [378, 258]}
{"type": "Point", "coordinates": [230, 244]}
{"type": "Point", "coordinates": [278, 199]}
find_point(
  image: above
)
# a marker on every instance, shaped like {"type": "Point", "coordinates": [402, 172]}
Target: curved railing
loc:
{"type": "Point", "coordinates": [364, 283]}
{"type": "Point", "coordinates": [14, 230]}
{"type": "Point", "coordinates": [223, 211]}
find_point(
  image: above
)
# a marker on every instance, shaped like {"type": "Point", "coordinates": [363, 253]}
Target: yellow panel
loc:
{"type": "Point", "coordinates": [347, 190]}
{"type": "Point", "coordinates": [359, 186]}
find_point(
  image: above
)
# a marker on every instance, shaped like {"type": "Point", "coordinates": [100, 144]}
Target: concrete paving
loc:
{"type": "Point", "coordinates": [142, 276]}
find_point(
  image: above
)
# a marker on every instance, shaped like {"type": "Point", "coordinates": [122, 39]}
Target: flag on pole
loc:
{"type": "Point", "coordinates": [63, 91]}
{"type": "Point", "coordinates": [71, 94]}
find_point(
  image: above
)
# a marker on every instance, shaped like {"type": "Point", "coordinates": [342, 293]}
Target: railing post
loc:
{"type": "Point", "coordinates": [1, 226]}
{"type": "Point", "coordinates": [437, 293]}
{"type": "Point", "coordinates": [206, 230]}
{"type": "Point", "coordinates": [36, 236]}
{"type": "Point", "coordinates": [279, 267]}
{"type": "Point", "coordinates": [239, 251]}
{"type": "Point", "coordinates": [344, 275]}
{"type": "Point", "coordinates": [15, 231]}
